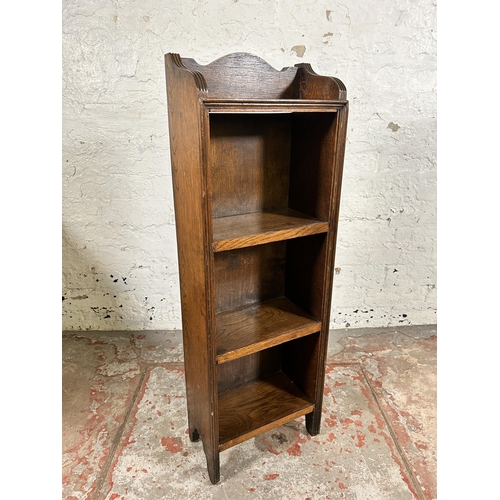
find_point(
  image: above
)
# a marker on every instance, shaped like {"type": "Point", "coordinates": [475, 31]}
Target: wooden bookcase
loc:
{"type": "Point", "coordinates": [257, 157]}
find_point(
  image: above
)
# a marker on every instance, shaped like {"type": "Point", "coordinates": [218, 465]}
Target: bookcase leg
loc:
{"type": "Point", "coordinates": [193, 435]}
{"type": "Point", "coordinates": [213, 466]}
{"type": "Point", "coordinates": [313, 422]}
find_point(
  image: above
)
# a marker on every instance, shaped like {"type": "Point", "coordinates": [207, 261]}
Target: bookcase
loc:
{"type": "Point", "coordinates": [257, 157]}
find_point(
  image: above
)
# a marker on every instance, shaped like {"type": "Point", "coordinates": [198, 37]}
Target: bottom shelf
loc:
{"type": "Point", "coordinates": [259, 406]}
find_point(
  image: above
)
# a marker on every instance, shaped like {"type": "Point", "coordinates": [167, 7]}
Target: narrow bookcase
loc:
{"type": "Point", "coordinates": [257, 157]}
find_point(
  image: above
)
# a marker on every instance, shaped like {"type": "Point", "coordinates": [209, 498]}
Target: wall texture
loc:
{"type": "Point", "coordinates": [119, 254]}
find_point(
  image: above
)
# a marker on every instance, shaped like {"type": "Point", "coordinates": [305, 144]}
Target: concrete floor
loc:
{"type": "Point", "coordinates": [125, 436]}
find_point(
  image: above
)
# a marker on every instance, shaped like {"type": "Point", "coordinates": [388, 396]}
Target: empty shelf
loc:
{"type": "Point", "coordinates": [259, 406]}
{"type": "Point", "coordinates": [244, 331]}
{"type": "Point", "coordinates": [240, 231]}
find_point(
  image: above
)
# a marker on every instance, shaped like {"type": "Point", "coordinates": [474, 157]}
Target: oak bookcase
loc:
{"type": "Point", "coordinates": [257, 157]}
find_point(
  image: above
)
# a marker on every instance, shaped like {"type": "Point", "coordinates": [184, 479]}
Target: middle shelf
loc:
{"type": "Point", "coordinates": [240, 231]}
{"type": "Point", "coordinates": [260, 326]}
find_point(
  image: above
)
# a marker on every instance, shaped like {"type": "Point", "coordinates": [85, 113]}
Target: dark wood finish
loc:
{"type": "Point", "coordinates": [271, 106]}
{"type": "Point", "coordinates": [245, 76]}
{"type": "Point", "coordinates": [240, 231]}
{"type": "Point", "coordinates": [301, 363]}
{"type": "Point", "coordinates": [260, 326]}
{"type": "Point", "coordinates": [255, 366]}
{"type": "Point", "coordinates": [257, 157]}
{"type": "Point", "coordinates": [313, 420]}
{"type": "Point", "coordinates": [314, 86]}
{"type": "Point", "coordinates": [249, 275]}
{"type": "Point", "coordinates": [257, 407]}
{"type": "Point", "coordinates": [311, 175]}
{"type": "Point", "coordinates": [305, 278]}
{"type": "Point", "coordinates": [193, 245]}
{"type": "Point", "coordinates": [249, 163]}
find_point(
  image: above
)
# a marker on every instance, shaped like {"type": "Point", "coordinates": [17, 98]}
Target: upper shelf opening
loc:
{"type": "Point", "coordinates": [245, 76]}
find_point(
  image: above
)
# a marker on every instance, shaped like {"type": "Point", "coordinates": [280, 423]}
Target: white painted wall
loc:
{"type": "Point", "coordinates": [119, 255]}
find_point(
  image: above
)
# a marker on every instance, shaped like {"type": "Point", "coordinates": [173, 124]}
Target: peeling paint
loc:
{"type": "Point", "coordinates": [393, 126]}
{"type": "Point", "coordinates": [171, 444]}
{"type": "Point", "coordinates": [299, 50]}
{"type": "Point", "coordinates": [118, 215]}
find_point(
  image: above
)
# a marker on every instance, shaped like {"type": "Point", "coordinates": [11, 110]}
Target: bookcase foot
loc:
{"type": "Point", "coordinates": [193, 435]}
{"type": "Point", "coordinates": [313, 422]}
{"type": "Point", "coordinates": [213, 466]}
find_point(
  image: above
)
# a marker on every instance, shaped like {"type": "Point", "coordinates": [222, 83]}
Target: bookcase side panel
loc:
{"type": "Point", "coordinates": [306, 259]}
{"type": "Point", "coordinates": [300, 363]}
{"type": "Point", "coordinates": [311, 170]}
{"type": "Point", "coordinates": [185, 129]}
{"type": "Point", "coordinates": [337, 140]}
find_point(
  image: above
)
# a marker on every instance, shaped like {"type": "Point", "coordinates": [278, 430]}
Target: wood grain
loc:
{"type": "Point", "coordinates": [301, 363]}
{"type": "Point", "coordinates": [241, 75]}
{"type": "Point", "coordinates": [305, 280]}
{"type": "Point", "coordinates": [192, 217]}
{"type": "Point", "coordinates": [249, 163]}
{"type": "Point", "coordinates": [249, 275]}
{"type": "Point", "coordinates": [246, 230]}
{"type": "Point", "coordinates": [260, 326]}
{"type": "Point", "coordinates": [312, 159]}
{"type": "Point", "coordinates": [313, 420]}
{"type": "Point", "coordinates": [257, 407]}
{"type": "Point", "coordinates": [240, 371]}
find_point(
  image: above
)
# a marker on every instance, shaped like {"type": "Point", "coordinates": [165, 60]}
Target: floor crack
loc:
{"type": "Point", "coordinates": [117, 440]}
{"type": "Point", "coordinates": [415, 483]}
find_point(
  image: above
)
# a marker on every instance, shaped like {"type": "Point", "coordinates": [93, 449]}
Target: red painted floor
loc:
{"type": "Point", "coordinates": [124, 424]}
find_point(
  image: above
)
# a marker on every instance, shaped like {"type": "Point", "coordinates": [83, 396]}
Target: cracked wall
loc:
{"type": "Point", "coordinates": [119, 249]}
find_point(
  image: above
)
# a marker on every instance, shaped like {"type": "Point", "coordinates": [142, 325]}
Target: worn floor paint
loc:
{"type": "Point", "coordinates": [99, 379]}
{"type": "Point", "coordinates": [400, 366]}
{"type": "Point", "coordinates": [124, 424]}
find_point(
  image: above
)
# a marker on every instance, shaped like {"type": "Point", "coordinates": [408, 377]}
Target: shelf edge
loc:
{"type": "Point", "coordinates": [267, 427]}
{"type": "Point", "coordinates": [266, 344]}
{"type": "Point", "coordinates": [270, 237]}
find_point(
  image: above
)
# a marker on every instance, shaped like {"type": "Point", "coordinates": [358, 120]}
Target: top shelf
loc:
{"type": "Point", "coordinates": [241, 231]}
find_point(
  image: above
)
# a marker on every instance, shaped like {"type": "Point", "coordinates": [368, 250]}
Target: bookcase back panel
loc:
{"type": "Point", "coordinates": [311, 169]}
{"type": "Point", "coordinates": [249, 162]}
{"type": "Point", "coordinates": [249, 275]}
{"type": "Point", "coordinates": [247, 77]}
{"type": "Point", "coordinates": [255, 366]}
{"type": "Point", "coordinates": [298, 359]}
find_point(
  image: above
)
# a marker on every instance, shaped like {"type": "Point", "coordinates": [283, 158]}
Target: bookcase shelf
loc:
{"type": "Point", "coordinates": [257, 159]}
{"type": "Point", "coordinates": [256, 327]}
{"type": "Point", "coordinates": [257, 407]}
{"type": "Point", "coordinates": [239, 231]}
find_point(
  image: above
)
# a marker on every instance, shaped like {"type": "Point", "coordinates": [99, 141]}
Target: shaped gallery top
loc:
{"type": "Point", "coordinates": [242, 82]}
